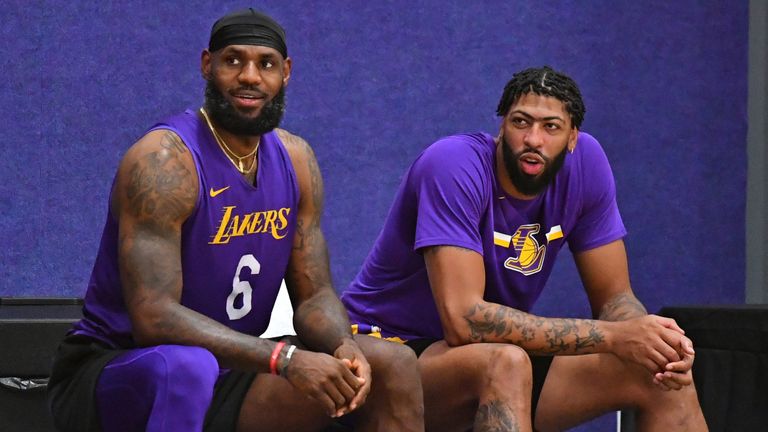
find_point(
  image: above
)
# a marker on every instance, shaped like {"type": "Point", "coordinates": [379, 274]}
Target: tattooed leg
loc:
{"type": "Point", "coordinates": [495, 416]}
{"type": "Point", "coordinates": [477, 385]}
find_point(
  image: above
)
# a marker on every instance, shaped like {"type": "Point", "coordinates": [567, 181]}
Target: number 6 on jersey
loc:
{"type": "Point", "coordinates": [242, 287]}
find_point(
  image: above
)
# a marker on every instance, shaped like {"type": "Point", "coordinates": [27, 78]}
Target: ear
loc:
{"type": "Point", "coordinates": [572, 138]}
{"type": "Point", "coordinates": [205, 64]}
{"type": "Point", "coordinates": [287, 64]}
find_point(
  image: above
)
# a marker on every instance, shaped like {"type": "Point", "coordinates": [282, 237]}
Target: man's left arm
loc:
{"type": "Point", "coordinates": [605, 275]}
{"type": "Point", "coordinates": [320, 320]}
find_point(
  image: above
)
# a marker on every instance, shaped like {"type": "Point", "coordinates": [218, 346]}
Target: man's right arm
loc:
{"type": "Point", "coordinates": [457, 278]}
{"type": "Point", "coordinates": [155, 192]}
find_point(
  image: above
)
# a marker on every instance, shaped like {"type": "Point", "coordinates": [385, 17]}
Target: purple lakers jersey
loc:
{"type": "Point", "coordinates": [451, 196]}
{"type": "Point", "coordinates": [235, 245]}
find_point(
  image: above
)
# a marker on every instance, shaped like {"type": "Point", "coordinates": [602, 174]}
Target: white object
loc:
{"type": "Point", "coordinates": [281, 321]}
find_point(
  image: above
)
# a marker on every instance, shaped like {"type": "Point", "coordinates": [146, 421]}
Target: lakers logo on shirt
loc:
{"type": "Point", "coordinates": [233, 224]}
{"type": "Point", "coordinates": [530, 255]}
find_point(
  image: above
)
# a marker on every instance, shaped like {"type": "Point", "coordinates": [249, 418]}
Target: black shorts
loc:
{"type": "Point", "coordinates": [540, 365]}
{"type": "Point", "coordinates": [76, 369]}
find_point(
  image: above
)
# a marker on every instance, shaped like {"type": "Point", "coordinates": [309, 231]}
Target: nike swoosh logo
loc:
{"type": "Point", "coordinates": [213, 193]}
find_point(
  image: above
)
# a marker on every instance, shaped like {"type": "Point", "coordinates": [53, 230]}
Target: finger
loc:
{"type": "Point", "coordinates": [362, 369]}
{"type": "Point", "coordinates": [345, 389]}
{"type": "Point", "coordinates": [362, 394]}
{"type": "Point", "coordinates": [681, 366]}
{"type": "Point", "coordinates": [650, 365]}
{"type": "Point", "coordinates": [675, 381]}
{"type": "Point", "coordinates": [354, 367]}
{"type": "Point", "coordinates": [672, 343]}
{"type": "Point", "coordinates": [687, 346]}
{"type": "Point", "coordinates": [659, 356]}
{"type": "Point", "coordinates": [343, 385]}
{"type": "Point", "coordinates": [349, 376]}
{"type": "Point", "coordinates": [658, 381]}
{"type": "Point", "coordinates": [669, 323]}
{"type": "Point", "coordinates": [680, 379]}
{"type": "Point", "coordinates": [327, 403]}
{"type": "Point", "coordinates": [335, 394]}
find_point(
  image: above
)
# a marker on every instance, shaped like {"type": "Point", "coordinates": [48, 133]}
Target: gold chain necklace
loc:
{"type": "Point", "coordinates": [228, 152]}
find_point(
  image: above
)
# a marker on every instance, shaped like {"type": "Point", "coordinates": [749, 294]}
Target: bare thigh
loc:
{"type": "Point", "coordinates": [273, 404]}
{"type": "Point", "coordinates": [602, 382]}
{"type": "Point", "coordinates": [452, 379]}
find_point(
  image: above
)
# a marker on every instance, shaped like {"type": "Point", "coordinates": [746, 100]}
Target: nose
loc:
{"type": "Point", "coordinates": [249, 74]}
{"type": "Point", "coordinates": [534, 137]}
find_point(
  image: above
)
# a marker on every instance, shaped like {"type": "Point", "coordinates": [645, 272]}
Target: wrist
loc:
{"type": "Point", "coordinates": [343, 349]}
{"type": "Point", "coordinates": [285, 360]}
{"type": "Point", "coordinates": [611, 330]}
{"type": "Point", "coordinates": [275, 357]}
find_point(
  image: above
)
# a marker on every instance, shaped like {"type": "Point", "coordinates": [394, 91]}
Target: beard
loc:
{"type": "Point", "coordinates": [527, 184]}
{"type": "Point", "coordinates": [225, 115]}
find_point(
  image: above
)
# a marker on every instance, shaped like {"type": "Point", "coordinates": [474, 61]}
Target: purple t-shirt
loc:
{"type": "Point", "coordinates": [235, 244]}
{"type": "Point", "coordinates": [451, 196]}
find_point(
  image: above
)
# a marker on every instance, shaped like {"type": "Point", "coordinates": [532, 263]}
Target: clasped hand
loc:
{"type": "Point", "coordinates": [340, 383]}
{"type": "Point", "coordinates": [659, 345]}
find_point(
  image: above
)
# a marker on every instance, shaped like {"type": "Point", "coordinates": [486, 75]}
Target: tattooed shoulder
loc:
{"type": "Point", "coordinates": [295, 144]}
{"type": "Point", "coordinates": [306, 167]}
{"type": "Point", "coordinates": [158, 180]}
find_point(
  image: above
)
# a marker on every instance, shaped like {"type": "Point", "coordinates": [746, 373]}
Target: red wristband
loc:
{"type": "Point", "coordinates": [274, 356]}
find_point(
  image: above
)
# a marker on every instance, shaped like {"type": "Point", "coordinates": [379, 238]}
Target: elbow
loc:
{"type": "Point", "coordinates": [145, 334]}
{"type": "Point", "coordinates": [148, 328]}
{"type": "Point", "coordinates": [143, 340]}
{"type": "Point", "coordinates": [456, 332]}
{"type": "Point", "coordinates": [456, 340]}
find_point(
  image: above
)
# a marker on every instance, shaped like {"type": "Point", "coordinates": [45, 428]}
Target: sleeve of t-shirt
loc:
{"type": "Point", "coordinates": [449, 181]}
{"type": "Point", "coordinates": [600, 221]}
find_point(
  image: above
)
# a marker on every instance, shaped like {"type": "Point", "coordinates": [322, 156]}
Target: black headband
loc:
{"type": "Point", "coordinates": [247, 27]}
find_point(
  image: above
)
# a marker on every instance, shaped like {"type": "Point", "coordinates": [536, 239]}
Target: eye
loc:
{"type": "Point", "coordinates": [267, 64]}
{"type": "Point", "coordinates": [519, 122]}
{"type": "Point", "coordinates": [232, 60]}
{"type": "Point", "coordinates": [551, 126]}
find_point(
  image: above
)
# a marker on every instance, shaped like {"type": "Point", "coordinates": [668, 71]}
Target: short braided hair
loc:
{"type": "Point", "coordinates": [544, 81]}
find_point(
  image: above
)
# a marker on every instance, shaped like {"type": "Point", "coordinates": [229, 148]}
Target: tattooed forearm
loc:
{"type": "Point", "coordinates": [622, 307]}
{"type": "Point", "coordinates": [320, 319]}
{"type": "Point", "coordinates": [495, 416]}
{"type": "Point", "coordinates": [543, 336]}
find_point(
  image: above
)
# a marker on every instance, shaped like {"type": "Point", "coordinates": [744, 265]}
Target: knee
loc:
{"type": "Point", "coordinates": [193, 366]}
{"type": "Point", "coordinates": [194, 369]}
{"type": "Point", "coordinates": [391, 358]}
{"type": "Point", "coordinates": [508, 362]}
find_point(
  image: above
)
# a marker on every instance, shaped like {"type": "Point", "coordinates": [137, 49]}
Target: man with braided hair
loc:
{"type": "Point", "coordinates": [210, 210]}
{"type": "Point", "coordinates": [467, 248]}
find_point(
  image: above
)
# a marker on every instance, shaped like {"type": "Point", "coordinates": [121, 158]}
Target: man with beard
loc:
{"type": "Point", "coordinates": [209, 212]}
{"type": "Point", "coordinates": [467, 248]}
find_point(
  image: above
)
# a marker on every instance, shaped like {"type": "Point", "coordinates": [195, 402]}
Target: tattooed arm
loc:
{"type": "Point", "coordinates": [320, 320]}
{"type": "Point", "coordinates": [605, 275]}
{"type": "Point", "coordinates": [457, 277]}
{"type": "Point", "coordinates": [155, 192]}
